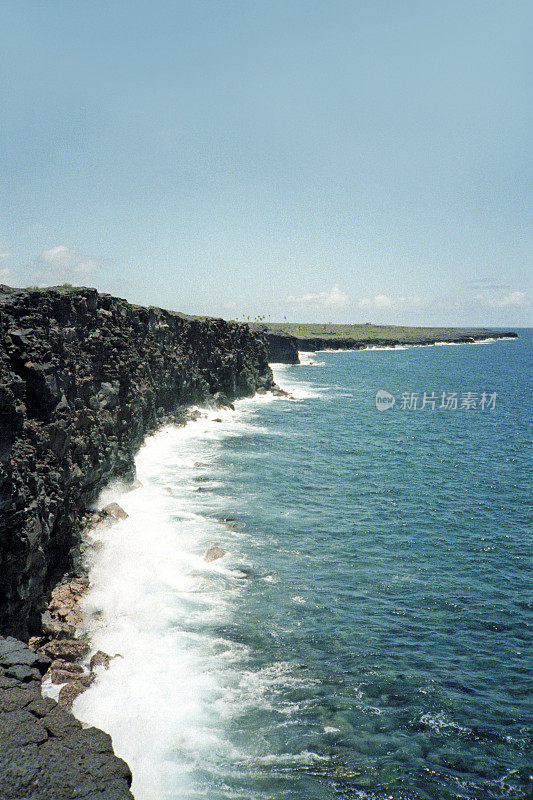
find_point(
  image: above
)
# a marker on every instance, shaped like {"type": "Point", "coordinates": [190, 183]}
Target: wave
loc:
{"type": "Point", "coordinates": [286, 378]}
{"type": "Point", "coordinates": [307, 360]}
{"type": "Point", "coordinates": [489, 340]}
{"type": "Point", "coordinates": [155, 601]}
{"type": "Point", "coordinates": [165, 612]}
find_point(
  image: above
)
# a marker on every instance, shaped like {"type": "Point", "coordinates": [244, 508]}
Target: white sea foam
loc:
{"type": "Point", "coordinates": [410, 346]}
{"type": "Point", "coordinates": [155, 601]}
{"type": "Point", "coordinates": [308, 359]}
{"type": "Point", "coordinates": [389, 347]}
{"type": "Point", "coordinates": [434, 344]}
{"type": "Point", "coordinates": [306, 757]}
{"type": "Point", "coordinates": [286, 377]}
{"type": "Point", "coordinates": [50, 689]}
{"type": "Point", "coordinates": [438, 723]}
{"type": "Point", "coordinates": [157, 604]}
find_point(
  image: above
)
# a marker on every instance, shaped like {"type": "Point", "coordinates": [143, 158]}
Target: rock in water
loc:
{"type": "Point", "coordinates": [69, 692]}
{"type": "Point", "coordinates": [65, 649]}
{"type": "Point", "coordinates": [99, 659]}
{"type": "Point", "coordinates": [115, 511]}
{"type": "Point", "coordinates": [214, 553]}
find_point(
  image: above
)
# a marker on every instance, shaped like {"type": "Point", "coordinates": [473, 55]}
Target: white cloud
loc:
{"type": "Point", "coordinates": [5, 252]}
{"type": "Point", "coordinates": [511, 299]}
{"type": "Point", "coordinates": [384, 301]}
{"type": "Point", "coordinates": [64, 259]}
{"type": "Point", "coordinates": [334, 298]}
{"type": "Point", "coordinates": [413, 301]}
{"type": "Point", "coordinates": [5, 273]}
{"type": "Point", "coordinates": [378, 301]}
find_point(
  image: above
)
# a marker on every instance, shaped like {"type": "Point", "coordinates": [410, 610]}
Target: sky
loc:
{"type": "Point", "coordinates": [332, 161]}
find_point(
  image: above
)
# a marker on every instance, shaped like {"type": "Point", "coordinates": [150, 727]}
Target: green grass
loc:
{"type": "Point", "coordinates": [369, 331]}
{"type": "Point", "coordinates": [62, 289]}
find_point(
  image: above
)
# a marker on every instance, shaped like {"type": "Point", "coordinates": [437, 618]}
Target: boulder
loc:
{"type": "Point", "coordinates": [66, 665]}
{"type": "Point", "coordinates": [115, 511]}
{"type": "Point", "coordinates": [21, 672]}
{"type": "Point", "coordinates": [65, 649]}
{"type": "Point", "coordinates": [136, 484]}
{"type": "Point", "coordinates": [14, 653]}
{"type": "Point", "coordinates": [66, 676]}
{"type": "Point", "coordinates": [69, 692]}
{"type": "Point", "coordinates": [62, 616]}
{"type": "Point", "coordinates": [99, 659]}
{"type": "Point", "coordinates": [214, 553]}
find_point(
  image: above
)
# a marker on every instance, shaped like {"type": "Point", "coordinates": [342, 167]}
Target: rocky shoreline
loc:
{"type": "Point", "coordinates": [84, 377]}
{"type": "Point", "coordinates": [44, 750]}
{"type": "Point", "coordinates": [283, 348]}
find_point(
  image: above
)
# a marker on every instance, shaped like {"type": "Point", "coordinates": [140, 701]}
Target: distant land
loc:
{"type": "Point", "coordinates": [285, 339]}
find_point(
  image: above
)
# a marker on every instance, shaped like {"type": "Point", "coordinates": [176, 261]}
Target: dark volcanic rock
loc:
{"type": "Point", "coordinates": [44, 752]}
{"type": "Point", "coordinates": [83, 378]}
{"type": "Point", "coordinates": [14, 653]}
{"type": "Point", "coordinates": [283, 348]}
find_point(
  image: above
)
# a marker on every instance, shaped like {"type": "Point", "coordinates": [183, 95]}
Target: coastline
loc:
{"type": "Point", "coordinates": [67, 440]}
{"type": "Point", "coordinates": [406, 346]}
{"type": "Point", "coordinates": [84, 377]}
{"type": "Point", "coordinates": [125, 617]}
{"type": "Point", "coordinates": [283, 347]}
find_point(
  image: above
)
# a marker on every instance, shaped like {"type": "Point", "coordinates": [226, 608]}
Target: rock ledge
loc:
{"type": "Point", "coordinates": [45, 754]}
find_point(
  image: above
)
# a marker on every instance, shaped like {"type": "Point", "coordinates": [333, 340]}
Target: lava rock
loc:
{"type": "Point", "coordinates": [115, 511]}
{"type": "Point", "coordinates": [99, 659]}
{"type": "Point", "coordinates": [69, 692]}
{"type": "Point", "coordinates": [65, 649]}
{"type": "Point", "coordinates": [83, 378]}
{"type": "Point", "coordinates": [45, 754]}
{"type": "Point", "coordinates": [214, 553]}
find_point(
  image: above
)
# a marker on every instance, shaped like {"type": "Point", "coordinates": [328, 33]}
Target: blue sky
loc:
{"type": "Point", "coordinates": [330, 161]}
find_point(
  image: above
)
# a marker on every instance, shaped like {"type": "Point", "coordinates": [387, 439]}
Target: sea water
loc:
{"type": "Point", "coordinates": [367, 634]}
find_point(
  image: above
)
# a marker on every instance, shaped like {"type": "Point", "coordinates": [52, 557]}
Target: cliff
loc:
{"type": "Point", "coordinates": [283, 347]}
{"type": "Point", "coordinates": [83, 377]}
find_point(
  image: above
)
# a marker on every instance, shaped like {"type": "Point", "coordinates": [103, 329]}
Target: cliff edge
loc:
{"type": "Point", "coordinates": [283, 345]}
{"type": "Point", "coordinates": [83, 377]}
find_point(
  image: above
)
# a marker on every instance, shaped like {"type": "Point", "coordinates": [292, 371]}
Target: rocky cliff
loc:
{"type": "Point", "coordinates": [283, 348]}
{"type": "Point", "coordinates": [83, 377]}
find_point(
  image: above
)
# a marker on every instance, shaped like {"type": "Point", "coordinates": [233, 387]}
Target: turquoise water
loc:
{"type": "Point", "coordinates": [368, 634]}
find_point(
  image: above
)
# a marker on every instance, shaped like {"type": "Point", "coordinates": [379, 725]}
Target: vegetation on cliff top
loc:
{"type": "Point", "coordinates": [369, 331]}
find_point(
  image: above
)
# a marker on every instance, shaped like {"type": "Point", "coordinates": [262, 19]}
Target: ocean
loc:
{"type": "Point", "coordinates": [368, 632]}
